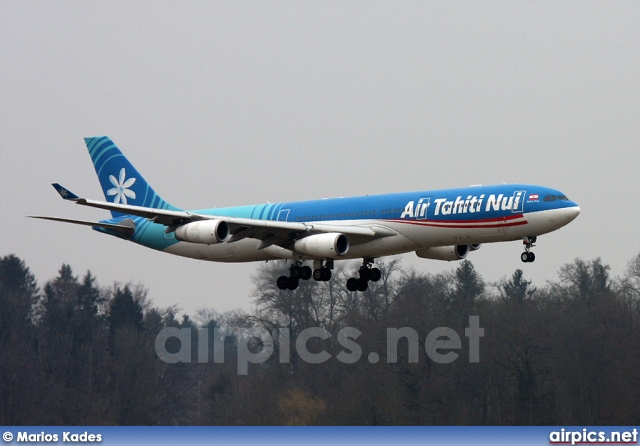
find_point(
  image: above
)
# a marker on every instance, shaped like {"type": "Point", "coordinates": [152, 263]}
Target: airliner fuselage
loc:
{"type": "Point", "coordinates": [437, 224]}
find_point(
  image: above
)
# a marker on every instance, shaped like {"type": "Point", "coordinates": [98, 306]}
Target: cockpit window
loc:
{"type": "Point", "coordinates": [555, 197]}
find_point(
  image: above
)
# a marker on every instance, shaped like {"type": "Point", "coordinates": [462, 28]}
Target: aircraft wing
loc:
{"type": "Point", "coordinates": [268, 231]}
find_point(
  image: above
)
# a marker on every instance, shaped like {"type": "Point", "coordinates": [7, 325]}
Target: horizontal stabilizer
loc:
{"type": "Point", "coordinates": [64, 192]}
{"type": "Point", "coordinates": [125, 229]}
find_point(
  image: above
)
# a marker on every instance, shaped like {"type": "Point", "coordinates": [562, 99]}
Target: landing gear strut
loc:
{"type": "Point", "coordinates": [528, 242]}
{"type": "Point", "coordinates": [366, 273]}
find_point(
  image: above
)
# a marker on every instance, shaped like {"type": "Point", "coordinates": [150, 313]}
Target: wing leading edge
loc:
{"type": "Point", "coordinates": [270, 232]}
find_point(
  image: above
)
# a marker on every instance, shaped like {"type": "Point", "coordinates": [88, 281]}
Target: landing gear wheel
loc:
{"type": "Point", "coordinates": [352, 284]}
{"type": "Point", "coordinates": [365, 274]}
{"type": "Point", "coordinates": [305, 273]}
{"type": "Point", "coordinates": [322, 274]}
{"type": "Point", "coordinates": [362, 284]}
{"type": "Point", "coordinates": [374, 274]}
{"type": "Point", "coordinates": [531, 257]}
{"type": "Point", "coordinates": [283, 282]}
{"type": "Point", "coordinates": [524, 257]}
{"type": "Point", "coordinates": [295, 271]}
{"type": "Point", "coordinates": [293, 283]}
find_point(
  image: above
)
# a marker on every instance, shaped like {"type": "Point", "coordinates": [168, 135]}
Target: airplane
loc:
{"type": "Point", "coordinates": [435, 224]}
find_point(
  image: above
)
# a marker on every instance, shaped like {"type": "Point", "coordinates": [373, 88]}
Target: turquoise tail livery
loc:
{"type": "Point", "coordinates": [444, 224]}
{"type": "Point", "coordinates": [121, 182]}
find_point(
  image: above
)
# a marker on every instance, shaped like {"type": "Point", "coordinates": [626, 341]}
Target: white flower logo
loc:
{"type": "Point", "coordinates": [121, 188]}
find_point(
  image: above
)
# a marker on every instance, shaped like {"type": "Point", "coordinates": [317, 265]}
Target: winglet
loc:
{"type": "Point", "coordinates": [65, 193]}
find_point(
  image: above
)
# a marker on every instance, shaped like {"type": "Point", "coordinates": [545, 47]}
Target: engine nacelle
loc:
{"type": "Point", "coordinates": [207, 232]}
{"type": "Point", "coordinates": [475, 247]}
{"type": "Point", "coordinates": [328, 246]}
{"type": "Point", "coordinates": [449, 253]}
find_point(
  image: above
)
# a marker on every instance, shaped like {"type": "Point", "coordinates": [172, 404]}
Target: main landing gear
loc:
{"type": "Point", "coordinates": [298, 271]}
{"type": "Point", "coordinates": [366, 273]}
{"type": "Point", "coordinates": [528, 242]}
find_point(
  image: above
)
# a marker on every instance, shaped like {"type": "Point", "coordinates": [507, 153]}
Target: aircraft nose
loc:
{"type": "Point", "coordinates": [572, 212]}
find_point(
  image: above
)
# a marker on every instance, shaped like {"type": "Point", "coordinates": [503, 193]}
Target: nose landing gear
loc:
{"type": "Point", "coordinates": [528, 242]}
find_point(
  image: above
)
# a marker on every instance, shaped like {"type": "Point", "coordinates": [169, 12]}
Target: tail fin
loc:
{"type": "Point", "coordinates": [121, 183]}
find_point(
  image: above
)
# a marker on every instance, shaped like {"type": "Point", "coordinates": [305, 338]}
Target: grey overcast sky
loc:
{"type": "Point", "coordinates": [227, 103]}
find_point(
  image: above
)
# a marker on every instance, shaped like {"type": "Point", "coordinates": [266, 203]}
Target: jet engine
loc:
{"type": "Point", "coordinates": [475, 247]}
{"type": "Point", "coordinates": [328, 245]}
{"type": "Point", "coordinates": [449, 253]}
{"type": "Point", "coordinates": [208, 232]}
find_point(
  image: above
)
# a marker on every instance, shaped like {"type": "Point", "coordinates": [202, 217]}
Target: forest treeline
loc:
{"type": "Point", "coordinates": [565, 353]}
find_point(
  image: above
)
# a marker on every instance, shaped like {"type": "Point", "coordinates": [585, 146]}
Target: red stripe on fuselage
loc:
{"type": "Point", "coordinates": [499, 222]}
{"type": "Point", "coordinates": [483, 220]}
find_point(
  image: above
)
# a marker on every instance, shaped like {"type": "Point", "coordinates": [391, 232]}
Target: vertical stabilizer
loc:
{"type": "Point", "coordinates": [121, 183]}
